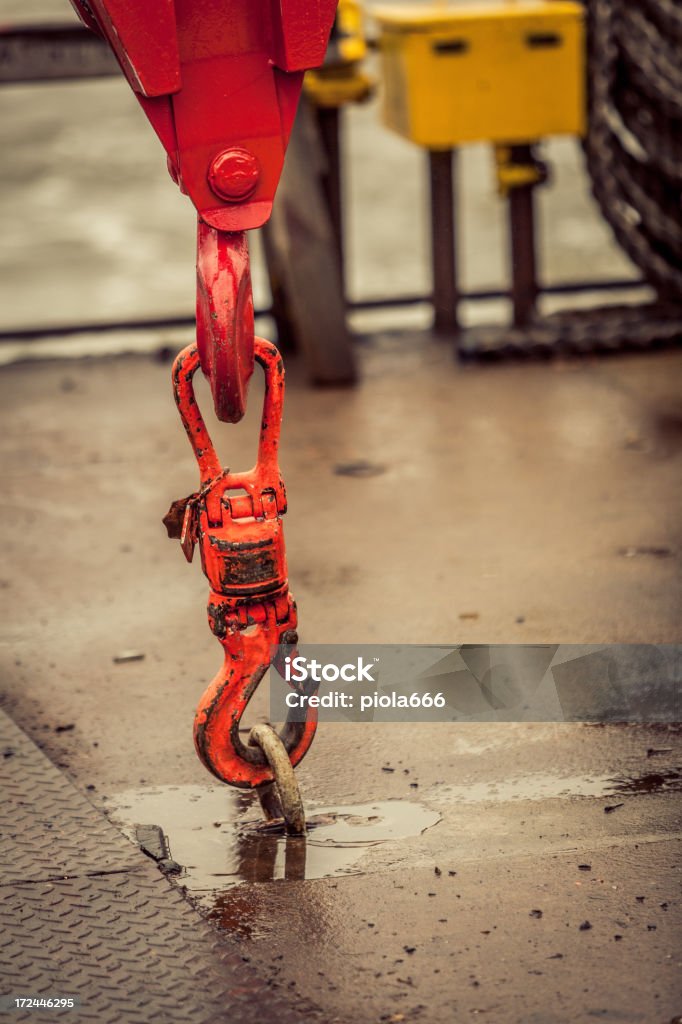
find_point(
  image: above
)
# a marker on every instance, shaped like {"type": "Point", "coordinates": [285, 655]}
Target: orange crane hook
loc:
{"type": "Point", "coordinates": [236, 519]}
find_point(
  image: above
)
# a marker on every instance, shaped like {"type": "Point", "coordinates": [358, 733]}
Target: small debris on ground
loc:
{"type": "Point", "coordinates": [584, 867]}
{"type": "Point", "coordinates": [585, 926]}
{"type": "Point", "coordinates": [65, 728]}
{"type": "Point", "coordinates": [124, 656]}
{"type": "Point", "coordinates": [359, 468]}
{"type": "Point", "coordinates": [170, 867]}
{"type": "Point", "coordinates": [645, 549]}
{"type": "Point", "coordinates": [655, 751]}
{"type": "Point", "coordinates": [468, 615]}
{"type": "Point", "coordinates": [635, 443]}
{"type": "Point", "coordinates": [535, 913]}
{"type": "Point", "coordinates": [152, 840]}
{"type": "Point", "coordinates": [612, 807]}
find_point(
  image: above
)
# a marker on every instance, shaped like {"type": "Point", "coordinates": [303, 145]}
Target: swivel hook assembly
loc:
{"type": "Point", "coordinates": [236, 519]}
{"type": "Point", "coordinates": [219, 83]}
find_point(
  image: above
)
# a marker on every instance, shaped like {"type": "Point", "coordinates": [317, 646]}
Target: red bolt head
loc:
{"type": "Point", "coordinates": [233, 174]}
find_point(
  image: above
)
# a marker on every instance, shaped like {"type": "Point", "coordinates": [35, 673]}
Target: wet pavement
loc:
{"type": "Point", "coordinates": [523, 891]}
{"type": "Point", "coordinates": [517, 540]}
{"type": "Point", "coordinates": [90, 927]}
{"type": "Point", "coordinates": [475, 897]}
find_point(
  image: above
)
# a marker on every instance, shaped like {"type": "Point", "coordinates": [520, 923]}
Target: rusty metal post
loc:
{"type": "Point", "coordinates": [302, 251]}
{"type": "Point", "coordinates": [442, 170]}
{"type": "Point", "coordinates": [329, 126]}
{"type": "Point", "coordinates": [524, 286]}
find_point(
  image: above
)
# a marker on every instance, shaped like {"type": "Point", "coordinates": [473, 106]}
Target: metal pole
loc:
{"type": "Point", "coordinates": [524, 290]}
{"type": "Point", "coordinates": [329, 124]}
{"type": "Point", "coordinates": [442, 168]}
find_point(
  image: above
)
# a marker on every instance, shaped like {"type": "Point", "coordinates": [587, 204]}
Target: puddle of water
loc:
{"type": "Point", "coordinates": [216, 834]}
{"type": "Point", "coordinates": [541, 786]}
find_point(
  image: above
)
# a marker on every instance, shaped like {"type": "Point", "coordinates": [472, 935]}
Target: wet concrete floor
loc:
{"type": "Point", "coordinates": [507, 504]}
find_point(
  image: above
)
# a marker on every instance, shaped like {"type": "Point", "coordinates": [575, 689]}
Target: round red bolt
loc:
{"type": "Point", "coordinates": [233, 174]}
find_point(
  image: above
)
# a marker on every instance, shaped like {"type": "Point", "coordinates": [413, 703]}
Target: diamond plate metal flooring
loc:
{"type": "Point", "coordinates": [83, 913]}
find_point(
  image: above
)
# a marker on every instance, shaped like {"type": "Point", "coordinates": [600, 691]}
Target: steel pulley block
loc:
{"type": "Point", "coordinates": [219, 81]}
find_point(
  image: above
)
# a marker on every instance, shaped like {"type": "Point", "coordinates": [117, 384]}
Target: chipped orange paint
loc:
{"type": "Point", "coordinates": [241, 542]}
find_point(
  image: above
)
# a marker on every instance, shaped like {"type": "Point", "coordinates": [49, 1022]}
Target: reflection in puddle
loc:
{"type": "Point", "coordinates": [216, 835]}
{"type": "Point", "coordinates": [650, 782]}
{"type": "Point", "coordinates": [539, 786]}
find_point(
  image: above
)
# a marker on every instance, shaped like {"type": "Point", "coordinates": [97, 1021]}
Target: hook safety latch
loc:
{"type": "Point", "coordinates": [236, 519]}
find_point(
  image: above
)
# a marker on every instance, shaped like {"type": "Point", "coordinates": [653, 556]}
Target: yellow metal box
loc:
{"type": "Point", "coordinates": [502, 70]}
